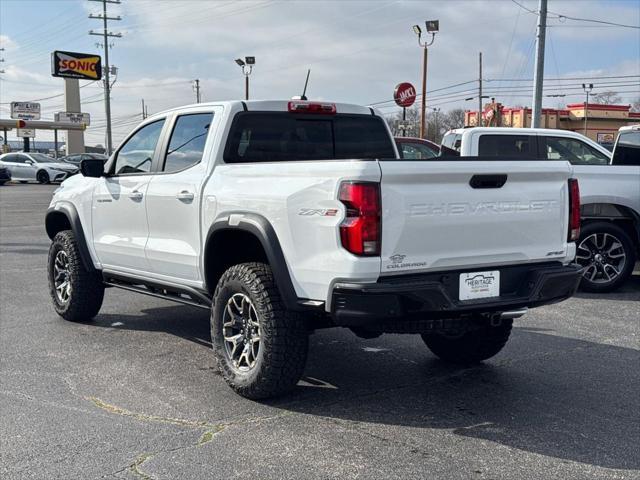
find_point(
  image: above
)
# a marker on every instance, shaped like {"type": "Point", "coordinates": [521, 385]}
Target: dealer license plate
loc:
{"type": "Point", "coordinates": [479, 285]}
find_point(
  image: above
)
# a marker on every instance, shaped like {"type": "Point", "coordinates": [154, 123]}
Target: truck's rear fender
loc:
{"type": "Point", "coordinates": [299, 200]}
{"type": "Point", "coordinates": [64, 216]}
{"type": "Point", "coordinates": [247, 237]}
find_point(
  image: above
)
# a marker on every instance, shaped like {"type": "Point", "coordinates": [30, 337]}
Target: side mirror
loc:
{"type": "Point", "coordinates": [28, 161]}
{"type": "Point", "coordinates": [92, 168]}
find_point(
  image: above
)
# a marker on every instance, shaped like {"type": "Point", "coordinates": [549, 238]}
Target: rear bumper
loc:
{"type": "Point", "coordinates": [435, 295]}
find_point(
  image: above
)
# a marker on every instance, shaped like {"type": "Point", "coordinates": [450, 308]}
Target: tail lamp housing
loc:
{"type": "Point", "coordinates": [574, 210]}
{"type": "Point", "coordinates": [360, 231]}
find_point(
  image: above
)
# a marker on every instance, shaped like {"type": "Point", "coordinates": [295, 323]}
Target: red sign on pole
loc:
{"type": "Point", "coordinates": [404, 94]}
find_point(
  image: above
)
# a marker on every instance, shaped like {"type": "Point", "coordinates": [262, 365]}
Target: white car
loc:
{"type": "Point", "coordinates": [283, 217]}
{"type": "Point", "coordinates": [32, 166]}
{"type": "Point", "coordinates": [609, 241]}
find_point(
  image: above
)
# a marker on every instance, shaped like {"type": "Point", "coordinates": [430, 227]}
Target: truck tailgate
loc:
{"type": "Point", "coordinates": [434, 219]}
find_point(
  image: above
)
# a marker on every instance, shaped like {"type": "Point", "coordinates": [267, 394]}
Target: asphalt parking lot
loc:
{"type": "Point", "coordinates": [135, 394]}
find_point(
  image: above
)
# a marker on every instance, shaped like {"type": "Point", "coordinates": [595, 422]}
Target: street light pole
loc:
{"type": "Point", "coordinates": [432, 28]}
{"type": "Point", "coordinates": [587, 87]}
{"type": "Point", "coordinates": [247, 67]}
{"type": "Point", "coordinates": [423, 126]}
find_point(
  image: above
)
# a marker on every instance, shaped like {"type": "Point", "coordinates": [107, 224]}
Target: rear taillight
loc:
{"type": "Point", "coordinates": [312, 107]}
{"type": "Point", "coordinates": [360, 230]}
{"type": "Point", "coordinates": [574, 210]}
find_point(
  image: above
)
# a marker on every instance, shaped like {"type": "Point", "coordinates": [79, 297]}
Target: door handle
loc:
{"type": "Point", "coordinates": [135, 195]}
{"type": "Point", "coordinates": [185, 195]}
{"type": "Point", "coordinates": [488, 181]}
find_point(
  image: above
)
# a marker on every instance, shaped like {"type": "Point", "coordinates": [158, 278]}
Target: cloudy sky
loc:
{"type": "Point", "coordinates": [357, 51]}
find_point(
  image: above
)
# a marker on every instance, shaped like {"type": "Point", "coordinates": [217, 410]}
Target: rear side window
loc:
{"type": "Point", "coordinates": [187, 141]}
{"type": "Point", "coordinates": [575, 151]}
{"type": "Point", "coordinates": [627, 150]}
{"type": "Point", "coordinates": [450, 145]}
{"type": "Point", "coordinates": [415, 151]}
{"type": "Point", "coordinates": [281, 136]}
{"type": "Point", "coordinates": [508, 146]}
{"type": "Point", "coordinates": [13, 158]}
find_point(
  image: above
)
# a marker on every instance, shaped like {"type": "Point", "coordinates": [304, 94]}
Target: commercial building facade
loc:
{"type": "Point", "coordinates": [602, 121]}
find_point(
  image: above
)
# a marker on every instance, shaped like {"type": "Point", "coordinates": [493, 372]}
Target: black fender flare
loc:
{"type": "Point", "coordinates": [70, 212]}
{"type": "Point", "coordinates": [262, 229]}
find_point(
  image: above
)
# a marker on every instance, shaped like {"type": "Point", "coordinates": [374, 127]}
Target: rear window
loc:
{"type": "Point", "coordinates": [509, 146]}
{"type": "Point", "coordinates": [282, 136]}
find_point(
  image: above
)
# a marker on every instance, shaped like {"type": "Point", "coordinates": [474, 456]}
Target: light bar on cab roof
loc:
{"type": "Point", "coordinates": [313, 107]}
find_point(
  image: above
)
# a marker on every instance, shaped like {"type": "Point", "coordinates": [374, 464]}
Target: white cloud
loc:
{"type": "Point", "coordinates": [357, 50]}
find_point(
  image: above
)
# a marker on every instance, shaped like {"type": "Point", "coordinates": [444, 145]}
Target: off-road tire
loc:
{"type": "Point", "coordinates": [629, 250]}
{"type": "Point", "coordinates": [472, 346]}
{"type": "Point", "coordinates": [284, 336]}
{"type": "Point", "coordinates": [87, 289]}
{"type": "Point", "coordinates": [43, 177]}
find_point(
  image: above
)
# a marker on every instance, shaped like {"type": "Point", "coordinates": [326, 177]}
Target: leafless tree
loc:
{"type": "Point", "coordinates": [607, 98]}
{"type": "Point", "coordinates": [635, 105]}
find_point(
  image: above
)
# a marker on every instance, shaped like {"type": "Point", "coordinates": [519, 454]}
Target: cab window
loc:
{"type": "Point", "coordinates": [571, 149]}
{"type": "Point", "coordinates": [508, 146]}
{"type": "Point", "coordinates": [187, 141]}
{"type": "Point", "coordinates": [136, 155]}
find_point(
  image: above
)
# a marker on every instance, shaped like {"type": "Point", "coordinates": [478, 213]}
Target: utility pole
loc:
{"type": "Point", "coordinates": [433, 26]}
{"type": "Point", "coordinates": [196, 88]}
{"type": "Point", "coordinates": [587, 87]}
{"type": "Point", "coordinates": [107, 86]}
{"type": "Point", "coordinates": [1, 59]}
{"type": "Point", "coordinates": [479, 122]}
{"type": "Point", "coordinates": [536, 114]}
{"type": "Point", "coordinates": [144, 115]}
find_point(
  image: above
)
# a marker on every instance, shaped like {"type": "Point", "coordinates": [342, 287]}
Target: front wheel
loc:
{"type": "Point", "coordinates": [472, 346]}
{"type": "Point", "coordinates": [43, 177]}
{"type": "Point", "coordinates": [76, 293]}
{"type": "Point", "coordinates": [260, 347]}
{"type": "Point", "coordinates": [607, 254]}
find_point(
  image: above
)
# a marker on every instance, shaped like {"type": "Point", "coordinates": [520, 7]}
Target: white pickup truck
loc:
{"type": "Point", "coordinates": [287, 216]}
{"type": "Point", "coordinates": [609, 243]}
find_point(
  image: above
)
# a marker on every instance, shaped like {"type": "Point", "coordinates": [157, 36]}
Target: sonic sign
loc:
{"type": "Point", "coordinates": [83, 66]}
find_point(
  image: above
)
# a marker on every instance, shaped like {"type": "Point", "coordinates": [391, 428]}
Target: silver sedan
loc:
{"type": "Point", "coordinates": [28, 166]}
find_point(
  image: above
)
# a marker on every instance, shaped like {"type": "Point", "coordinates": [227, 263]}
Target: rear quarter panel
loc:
{"type": "Point", "coordinates": [297, 198]}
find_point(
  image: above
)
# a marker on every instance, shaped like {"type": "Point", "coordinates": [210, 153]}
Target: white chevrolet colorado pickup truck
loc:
{"type": "Point", "coordinates": [287, 216]}
{"type": "Point", "coordinates": [609, 242]}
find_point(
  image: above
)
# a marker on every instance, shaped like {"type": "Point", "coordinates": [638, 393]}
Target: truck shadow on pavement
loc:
{"type": "Point", "coordinates": [555, 396]}
{"type": "Point", "coordinates": [545, 394]}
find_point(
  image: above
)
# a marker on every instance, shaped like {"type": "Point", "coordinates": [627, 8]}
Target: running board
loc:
{"type": "Point", "coordinates": [168, 291]}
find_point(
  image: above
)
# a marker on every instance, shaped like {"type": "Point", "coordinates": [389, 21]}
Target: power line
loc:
{"type": "Point", "coordinates": [562, 17]}
{"type": "Point", "coordinates": [561, 78]}
{"type": "Point", "coordinates": [48, 98]}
